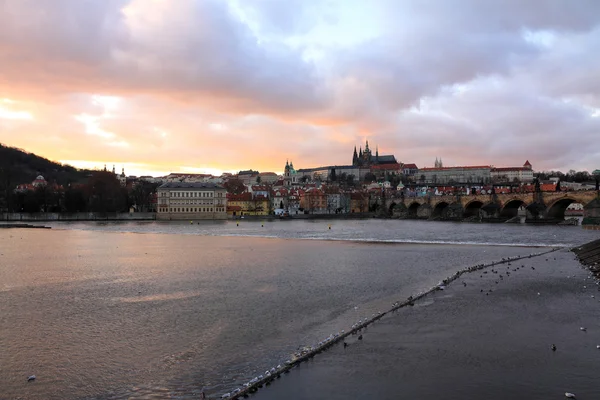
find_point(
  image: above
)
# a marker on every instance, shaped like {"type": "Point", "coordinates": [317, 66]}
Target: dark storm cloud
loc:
{"type": "Point", "coordinates": [472, 81]}
{"type": "Point", "coordinates": [192, 50]}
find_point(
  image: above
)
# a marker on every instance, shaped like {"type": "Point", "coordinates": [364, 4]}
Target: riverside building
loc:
{"type": "Point", "coordinates": [190, 201]}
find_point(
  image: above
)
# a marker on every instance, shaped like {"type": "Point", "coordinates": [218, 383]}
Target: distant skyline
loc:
{"type": "Point", "coordinates": [198, 86]}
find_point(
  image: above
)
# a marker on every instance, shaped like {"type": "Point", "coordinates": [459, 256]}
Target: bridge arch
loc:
{"type": "Point", "coordinates": [438, 210]}
{"type": "Point", "coordinates": [413, 209]}
{"type": "Point", "coordinates": [557, 209]}
{"type": "Point", "coordinates": [511, 208]}
{"type": "Point", "coordinates": [472, 208]}
{"type": "Point", "coordinates": [391, 208]}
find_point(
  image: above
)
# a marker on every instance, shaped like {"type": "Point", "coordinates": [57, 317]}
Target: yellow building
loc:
{"type": "Point", "coordinates": [247, 204]}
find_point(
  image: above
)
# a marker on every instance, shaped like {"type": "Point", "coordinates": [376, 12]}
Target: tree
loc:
{"type": "Point", "coordinates": [105, 193]}
{"type": "Point", "coordinates": [75, 200]}
{"type": "Point", "coordinates": [332, 175]}
{"type": "Point", "coordinates": [141, 195]}
{"type": "Point", "coordinates": [6, 181]}
{"type": "Point", "coordinates": [370, 177]}
{"type": "Point", "coordinates": [557, 186]}
{"type": "Point", "coordinates": [350, 179]}
{"type": "Point", "coordinates": [258, 179]}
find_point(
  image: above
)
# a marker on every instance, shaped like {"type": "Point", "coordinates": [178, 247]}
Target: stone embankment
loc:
{"type": "Point", "coordinates": [589, 255]}
{"type": "Point", "coordinates": [23, 226]}
{"type": "Point", "coordinates": [309, 352]}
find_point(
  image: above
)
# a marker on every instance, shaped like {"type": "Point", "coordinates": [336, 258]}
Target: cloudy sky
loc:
{"type": "Point", "coordinates": [212, 85]}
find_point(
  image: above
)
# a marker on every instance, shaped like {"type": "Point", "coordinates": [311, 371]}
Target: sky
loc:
{"type": "Point", "coordinates": [205, 86]}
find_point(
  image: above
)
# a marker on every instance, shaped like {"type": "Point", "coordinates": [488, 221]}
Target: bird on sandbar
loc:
{"type": "Point", "coordinates": [31, 378]}
{"type": "Point", "coordinates": [569, 395]}
{"type": "Point", "coordinates": [553, 347]}
{"type": "Point", "coordinates": [583, 329]}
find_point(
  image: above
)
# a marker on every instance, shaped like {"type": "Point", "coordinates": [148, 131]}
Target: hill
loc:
{"type": "Point", "coordinates": [18, 166]}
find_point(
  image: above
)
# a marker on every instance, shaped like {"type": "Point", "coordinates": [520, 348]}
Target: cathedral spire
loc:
{"type": "Point", "coordinates": [367, 146]}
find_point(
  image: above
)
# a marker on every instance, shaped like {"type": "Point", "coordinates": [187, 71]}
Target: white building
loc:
{"type": "Point", "coordinates": [450, 175]}
{"type": "Point", "coordinates": [191, 201]}
{"type": "Point", "coordinates": [513, 174]}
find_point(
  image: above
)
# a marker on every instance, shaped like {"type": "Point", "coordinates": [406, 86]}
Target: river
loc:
{"type": "Point", "coordinates": [157, 310]}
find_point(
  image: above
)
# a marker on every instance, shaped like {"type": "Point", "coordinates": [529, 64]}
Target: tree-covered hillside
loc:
{"type": "Point", "coordinates": [18, 166]}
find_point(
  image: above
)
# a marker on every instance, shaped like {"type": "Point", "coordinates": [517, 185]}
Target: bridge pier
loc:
{"type": "Point", "coordinates": [424, 211]}
{"type": "Point", "coordinates": [591, 212]}
{"type": "Point", "coordinates": [454, 212]}
{"type": "Point", "coordinates": [400, 211]}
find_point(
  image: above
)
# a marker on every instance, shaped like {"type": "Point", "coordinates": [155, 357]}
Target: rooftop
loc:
{"type": "Point", "coordinates": [190, 185]}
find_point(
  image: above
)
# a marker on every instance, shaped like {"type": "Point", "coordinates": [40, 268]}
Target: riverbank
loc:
{"type": "Point", "coordinates": [82, 216]}
{"type": "Point", "coordinates": [7, 226]}
{"type": "Point", "coordinates": [589, 255]}
{"type": "Point", "coordinates": [487, 335]}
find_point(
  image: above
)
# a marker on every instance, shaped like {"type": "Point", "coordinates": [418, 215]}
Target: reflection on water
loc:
{"type": "Point", "coordinates": [97, 312]}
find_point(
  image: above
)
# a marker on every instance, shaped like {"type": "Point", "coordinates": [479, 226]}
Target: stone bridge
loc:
{"type": "Point", "coordinates": [535, 207]}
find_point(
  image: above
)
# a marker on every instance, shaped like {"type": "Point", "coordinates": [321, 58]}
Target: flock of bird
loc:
{"type": "Point", "coordinates": [307, 352]}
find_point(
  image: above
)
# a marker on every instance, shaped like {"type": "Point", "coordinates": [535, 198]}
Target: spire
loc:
{"type": "Point", "coordinates": [367, 146]}
{"type": "Point", "coordinates": [437, 163]}
{"type": "Point", "coordinates": [360, 153]}
{"type": "Point", "coordinates": [354, 157]}
{"type": "Point", "coordinates": [441, 163]}
{"type": "Point", "coordinates": [114, 171]}
{"type": "Point", "coordinates": [104, 167]}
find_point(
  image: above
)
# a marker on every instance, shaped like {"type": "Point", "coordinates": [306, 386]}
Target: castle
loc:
{"type": "Point", "coordinates": [364, 158]}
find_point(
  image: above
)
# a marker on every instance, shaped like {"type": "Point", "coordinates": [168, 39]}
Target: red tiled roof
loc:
{"type": "Point", "coordinates": [394, 166]}
{"type": "Point", "coordinates": [410, 166]}
{"type": "Point", "coordinates": [246, 196]}
{"type": "Point", "coordinates": [510, 169]}
{"type": "Point", "coordinates": [527, 164]}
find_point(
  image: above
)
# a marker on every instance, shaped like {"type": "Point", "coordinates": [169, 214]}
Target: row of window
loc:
{"type": "Point", "coordinates": [201, 202]}
{"type": "Point", "coordinates": [192, 209]}
{"type": "Point", "coordinates": [191, 194]}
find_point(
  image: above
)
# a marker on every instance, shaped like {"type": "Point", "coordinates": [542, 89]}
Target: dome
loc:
{"type": "Point", "coordinates": [40, 178]}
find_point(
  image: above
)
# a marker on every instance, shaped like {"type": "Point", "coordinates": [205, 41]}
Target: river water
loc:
{"type": "Point", "coordinates": [171, 310]}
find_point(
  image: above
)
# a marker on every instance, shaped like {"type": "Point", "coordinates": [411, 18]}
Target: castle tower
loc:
{"type": "Point", "coordinates": [354, 158]}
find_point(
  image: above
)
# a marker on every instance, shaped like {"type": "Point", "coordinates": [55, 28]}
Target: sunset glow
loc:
{"type": "Point", "coordinates": [210, 85]}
